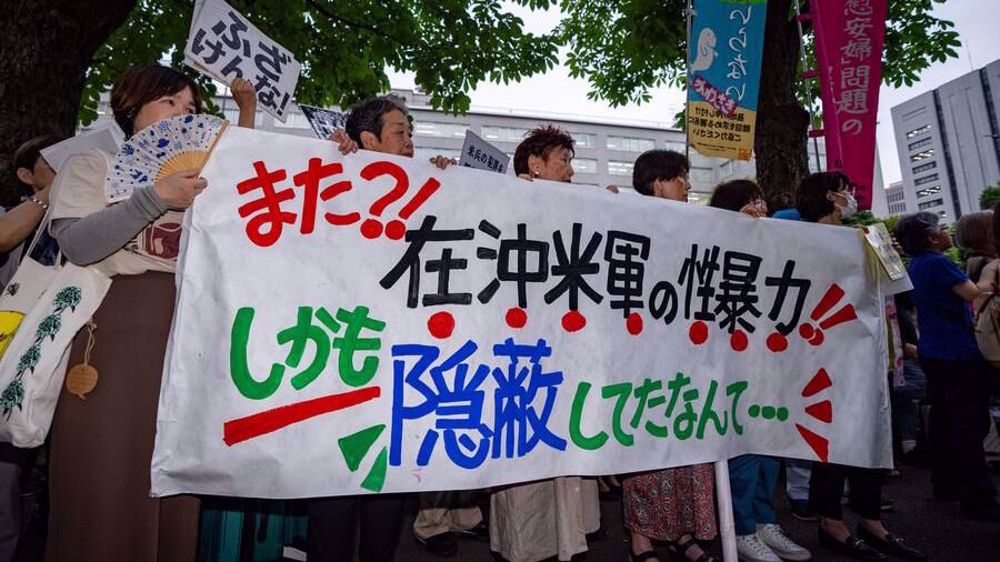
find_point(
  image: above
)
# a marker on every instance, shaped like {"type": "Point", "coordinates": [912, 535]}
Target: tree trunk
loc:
{"type": "Point", "coordinates": [46, 47]}
{"type": "Point", "coordinates": [782, 123]}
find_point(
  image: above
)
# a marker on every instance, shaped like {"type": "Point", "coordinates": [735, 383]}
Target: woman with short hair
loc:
{"type": "Point", "coordinates": [101, 447]}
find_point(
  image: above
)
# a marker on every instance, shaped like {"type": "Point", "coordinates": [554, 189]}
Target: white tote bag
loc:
{"type": "Point", "coordinates": [24, 289]}
{"type": "Point", "coordinates": [34, 366]}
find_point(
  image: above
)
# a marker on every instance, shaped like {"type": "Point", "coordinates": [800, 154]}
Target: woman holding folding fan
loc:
{"type": "Point", "coordinates": [102, 445]}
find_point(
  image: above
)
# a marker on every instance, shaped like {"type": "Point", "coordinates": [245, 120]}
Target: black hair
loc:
{"type": "Point", "coordinates": [370, 116]}
{"type": "Point", "coordinates": [735, 194]}
{"type": "Point", "coordinates": [655, 165]}
{"type": "Point", "coordinates": [27, 155]}
{"type": "Point", "coordinates": [811, 199]}
{"type": "Point", "coordinates": [140, 85]}
{"type": "Point", "coordinates": [541, 141]}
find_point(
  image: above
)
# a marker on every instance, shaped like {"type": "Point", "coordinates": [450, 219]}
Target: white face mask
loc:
{"type": "Point", "coordinates": [850, 208]}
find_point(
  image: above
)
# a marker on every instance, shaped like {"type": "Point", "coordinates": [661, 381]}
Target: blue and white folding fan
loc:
{"type": "Point", "coordinates": [165, 147]}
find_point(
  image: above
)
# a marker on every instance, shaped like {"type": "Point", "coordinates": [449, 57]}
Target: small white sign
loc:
{"type": "Point", "coordinates": [481, 155]}
{"type": "Point", "coordinates": [108, 138]}
{"type": "Point", "coordinates": [223, 44]}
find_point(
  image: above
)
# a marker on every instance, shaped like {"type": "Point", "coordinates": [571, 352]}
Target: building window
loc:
{"type": "Point", "coordinates": [619, 168]}
{"type": "Point", "coordinates": [445, 130]}
{"type": "Point", "coordinates": [585, 165]}
{"type": "Point", "coordinates": [584, 140]}
{"type": "Point", "coordinates": [924, 167]}
{"type": "Point", "coordinates": [424, 154]}
{"type": "Point", "coordinates": [504, 134]}
{"type": "Point", "coordinates": [920, 143]}
{"type": "Point", "coordinates": [924, 155]}
{"type": "Point", "coordinates": [676, 146]}
{"type": "Point", "coordinates": [932, 203]}
{"type": "Point", "coordinates": [928, 191]}
{"type": "Point", "coordinates": [630, 144]}
{"type": "Point", "coordinates": [726, 169]}
{"type": "Point", "coordinates": [925, 179]}
{"type": "Point", "coordinates": [918, 131]}
{"type": "Point", "coordinates": [702, 175]}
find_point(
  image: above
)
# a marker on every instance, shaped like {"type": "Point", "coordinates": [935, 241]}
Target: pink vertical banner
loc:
{"type": "Point", "coordinates": [849, 39]}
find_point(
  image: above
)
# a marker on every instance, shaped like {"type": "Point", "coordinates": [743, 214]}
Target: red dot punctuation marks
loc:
{"type": "Point", "coordinates": [634, 324]}
{"type": "Point", "coordinates": [698, 332]}
{"type": "Point", "coordinates": [517, 318]}
{"type": "Point", "coordinates": [739, 340]}
{"type": "Point", "coordinates": [777, 342]}
{"type": "Point", "coordinates": [441, 325]}
{"type": "Point", "coordinates": [372, 227]}
{"type": "Point", "coordinates": [573, 321]}
{"type": "Point", "coordinates": [846, 313]}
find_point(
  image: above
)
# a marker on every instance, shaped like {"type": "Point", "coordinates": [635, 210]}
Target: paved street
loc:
{"type": "Point", "coordinates": [938, 528]}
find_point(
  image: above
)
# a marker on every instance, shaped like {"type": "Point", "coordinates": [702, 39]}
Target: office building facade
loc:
{"type": "Point", "coordinates": [948, 142]}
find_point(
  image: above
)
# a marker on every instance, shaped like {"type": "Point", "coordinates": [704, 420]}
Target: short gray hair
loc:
{"type": "Point", "coordinates": [913, 232]}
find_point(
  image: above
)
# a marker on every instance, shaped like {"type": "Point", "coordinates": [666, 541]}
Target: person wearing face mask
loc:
{"type": "Point", "coordinates": [549, 518]}
{"type": "Point", "coordinates": [101, 447]}
{"type": "Point", "coordinates": [826, 198]}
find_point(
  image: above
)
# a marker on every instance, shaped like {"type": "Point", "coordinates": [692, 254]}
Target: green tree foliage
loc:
{"type": "Point", "coordinates": [989, 197]}
{"type": "Point", "coordinates": [626, 47]}
{"type": "Point", "coordinates": [345, 47]}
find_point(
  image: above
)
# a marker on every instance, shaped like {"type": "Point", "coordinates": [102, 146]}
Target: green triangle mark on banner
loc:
{"type": "Point", "coordinates": [376, 476]}
{"type": "Point", "coordinates": [356, 446]}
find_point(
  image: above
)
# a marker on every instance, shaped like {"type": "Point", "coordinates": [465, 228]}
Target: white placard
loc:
{"type": "Point", "coordinates": [108, 138]}
{"type": "Point", "coordinates": [481, 155]}
{"type": "Point", "coordinates": [223, 44]}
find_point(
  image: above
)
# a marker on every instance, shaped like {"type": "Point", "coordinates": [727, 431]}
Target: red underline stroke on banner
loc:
{"type": "Point", "coordinates": [249, 427]}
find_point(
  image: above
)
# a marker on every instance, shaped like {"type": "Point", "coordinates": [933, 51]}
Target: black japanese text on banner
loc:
{"type": "Point", "coordinates": [372, 323]}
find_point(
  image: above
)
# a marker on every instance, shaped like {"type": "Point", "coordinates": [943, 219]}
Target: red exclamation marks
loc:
{"type": "Point", "coordinates": [814, 335]}
{"type": "Point", "coordinates": [822, 411]}
{"type": "Point", "coordinates": [372, 227]}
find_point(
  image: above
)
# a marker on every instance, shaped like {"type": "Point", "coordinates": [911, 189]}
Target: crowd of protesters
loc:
{"type": "Point", "coordinates": [99, 451]}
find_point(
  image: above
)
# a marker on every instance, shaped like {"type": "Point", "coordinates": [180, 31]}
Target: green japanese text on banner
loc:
{"type": "Point", "coordinates": [370, 323]}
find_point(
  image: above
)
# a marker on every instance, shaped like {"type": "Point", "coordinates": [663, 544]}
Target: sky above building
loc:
{"type": "Point", "coordinates": [555, 92]}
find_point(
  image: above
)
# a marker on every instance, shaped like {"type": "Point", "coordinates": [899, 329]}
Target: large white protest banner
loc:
{"type": "Point", "coordinates": [369, 323]}
{"type": "Point", "coordinates": [223, 44]}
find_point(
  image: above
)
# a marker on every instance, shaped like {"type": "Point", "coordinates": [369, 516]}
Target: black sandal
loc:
{"type": "Point", "coordinates": [648, 555]}
{"type": "Point", "coordinates": [681, 548]}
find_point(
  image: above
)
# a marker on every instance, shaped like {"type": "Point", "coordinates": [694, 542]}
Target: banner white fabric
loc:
{"type": "Point", "coordinates": [370, 323]}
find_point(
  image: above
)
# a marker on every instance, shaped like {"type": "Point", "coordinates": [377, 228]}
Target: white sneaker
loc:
{"type": "Point", "coordinates": [751, 549]}
{"type": "Point", "coordinates": [772, 535]}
